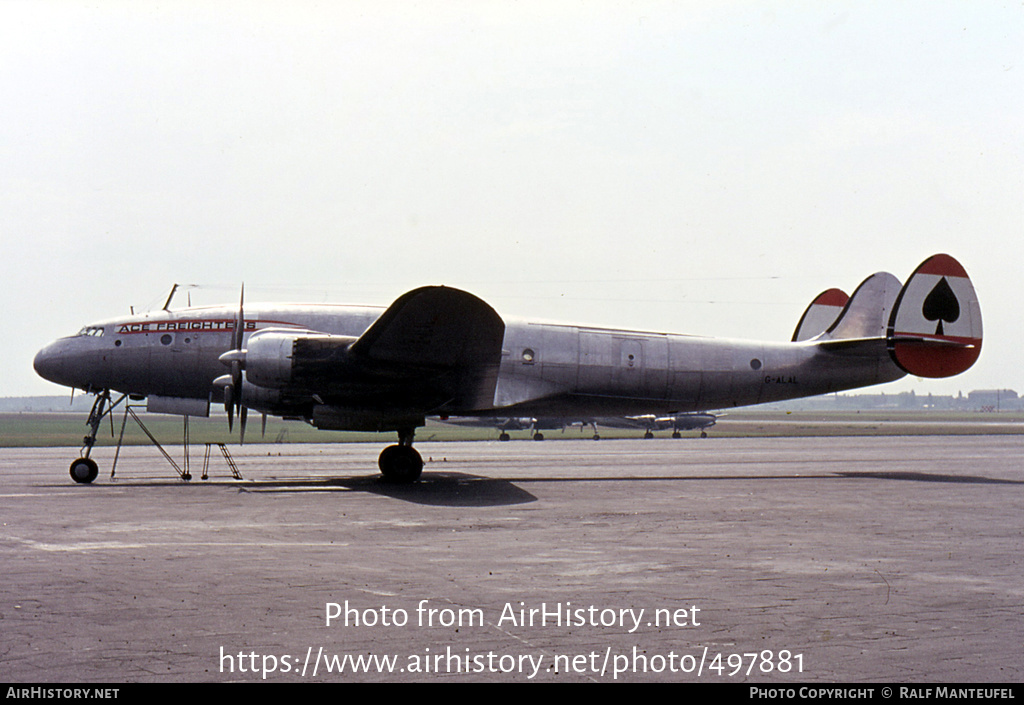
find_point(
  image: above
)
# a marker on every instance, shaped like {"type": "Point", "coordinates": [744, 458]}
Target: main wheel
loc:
{"type": "Point", "coordinates": [400, 464]}
{"type": "Point", "coordinates": [84, 470]}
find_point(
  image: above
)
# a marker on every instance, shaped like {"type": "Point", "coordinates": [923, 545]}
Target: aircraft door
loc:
{"type": "Point", "coordinates": [610, 364]}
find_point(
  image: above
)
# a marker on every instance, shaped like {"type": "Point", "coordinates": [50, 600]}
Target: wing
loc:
{"type": "Point", "coordinates": [435, 348]}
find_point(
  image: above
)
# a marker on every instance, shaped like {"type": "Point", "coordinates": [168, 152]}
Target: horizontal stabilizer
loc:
{"type": "Point", "coordinates": [935, 326]}
{"type": "Point", "coordinates": [821, 314]}
{"type": "Point", "coordinates": [867, 348]}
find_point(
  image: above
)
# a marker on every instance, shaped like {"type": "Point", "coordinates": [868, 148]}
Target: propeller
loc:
{"type": "Point", "coordinates": [232, 383]}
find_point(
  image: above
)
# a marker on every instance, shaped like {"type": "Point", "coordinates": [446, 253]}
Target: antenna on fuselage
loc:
{"type": "Point", "coordinates": [167, 304]}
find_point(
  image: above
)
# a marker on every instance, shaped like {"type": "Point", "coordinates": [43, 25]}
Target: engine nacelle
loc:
{"type": "Point", "coordinates": [260, 399]}
{"type": "Point", "coordinates": [268, 359]}
{"type": "Point", "coordinates": [276, 359]}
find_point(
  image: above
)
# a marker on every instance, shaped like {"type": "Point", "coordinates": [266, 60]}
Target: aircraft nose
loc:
{"type": "Point", "coordinates": [49, 364]}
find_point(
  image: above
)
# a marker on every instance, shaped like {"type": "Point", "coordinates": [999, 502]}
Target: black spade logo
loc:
{"type": "Point", "coordinates": [941, 305]}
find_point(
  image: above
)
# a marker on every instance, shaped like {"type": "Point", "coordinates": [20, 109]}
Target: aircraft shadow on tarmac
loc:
{"type": "Point", "coordinates": [464, 490]}
{"type": "Point", "coordinates": [456, 489]}
{"type": "Point", "coordinates": [449, 489]}
{"type": "Point", "coordinates": [930, 477]}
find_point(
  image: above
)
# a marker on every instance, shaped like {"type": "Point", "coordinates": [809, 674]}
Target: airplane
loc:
{"type": "Point", "coordinates": [648, 422]}
{"type": "Point", "coordinates": [653, 422]}
{"type": "Point", "coordinates": [504, 424]}
{"type": "Point", "coordinates": [441, 351]}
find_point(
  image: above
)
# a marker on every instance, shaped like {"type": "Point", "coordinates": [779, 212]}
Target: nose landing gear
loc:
{"type": "Point", "coordinates": [84, 470]}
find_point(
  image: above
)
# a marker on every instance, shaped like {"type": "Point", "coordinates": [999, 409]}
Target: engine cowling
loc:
{"type": "Point", "coordinates": [268, 359]}
{"type": "Point", "coordinates": [279, 359]}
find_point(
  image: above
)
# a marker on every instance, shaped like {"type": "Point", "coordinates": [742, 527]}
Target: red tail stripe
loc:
{"type": "Point", "coordinates": [943, 266]}
{"type": "Point", "coordinates": [832, 297]}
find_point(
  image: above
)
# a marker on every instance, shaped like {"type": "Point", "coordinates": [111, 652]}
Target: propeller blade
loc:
{"type": "Point", "coordinates": [240, 321]}
{"type": "Point", "coordinates": [236, 379]}
{"type": "Point", "coordinates": [235, 360]}
{"type": "Point", "coordinates": [243, 414]}
{"type": "Point", "coordinates": [230, 406]}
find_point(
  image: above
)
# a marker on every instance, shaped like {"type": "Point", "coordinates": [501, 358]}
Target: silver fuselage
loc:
{"type": "Point", "coordinates": [546, 369]}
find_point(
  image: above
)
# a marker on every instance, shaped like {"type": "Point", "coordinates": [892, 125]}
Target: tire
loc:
{"type": "Point", "coordinates": [400, 464]}
{"type": "Point", "coordinates": [84, 470]}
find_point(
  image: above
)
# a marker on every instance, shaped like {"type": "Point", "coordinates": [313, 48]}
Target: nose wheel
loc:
{"type": "Point", "coordinates": [84, 470]}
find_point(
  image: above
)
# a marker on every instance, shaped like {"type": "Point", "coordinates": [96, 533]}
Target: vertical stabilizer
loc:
{"type": "Point", "coordinates": [935, 326]}
{"type": "Point", "coordinates": [867, 312]}
{"type": "Point", "coordinates": [821, 314]}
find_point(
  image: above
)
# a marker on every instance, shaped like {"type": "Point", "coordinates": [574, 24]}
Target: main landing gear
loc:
{"type": "Point", "coordinates": [401, 463]}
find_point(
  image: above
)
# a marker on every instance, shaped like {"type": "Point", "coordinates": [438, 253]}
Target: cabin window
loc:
{"type": "Point", "coordinates": [166, 339]}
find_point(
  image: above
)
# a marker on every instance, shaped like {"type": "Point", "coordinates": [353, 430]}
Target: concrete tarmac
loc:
{"type": "Point", "coordinates": [803, 560]}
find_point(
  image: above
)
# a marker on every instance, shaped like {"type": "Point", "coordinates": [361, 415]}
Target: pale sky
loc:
{"type": "Point", "coordinates": [692, 167]}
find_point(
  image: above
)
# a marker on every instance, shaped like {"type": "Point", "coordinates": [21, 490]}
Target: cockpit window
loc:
{"type": "Point", "coordinates": [95, 331]}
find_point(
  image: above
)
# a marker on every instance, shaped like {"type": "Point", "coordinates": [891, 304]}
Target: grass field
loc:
{"type": "Point", "coordinates": [30, 429]}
